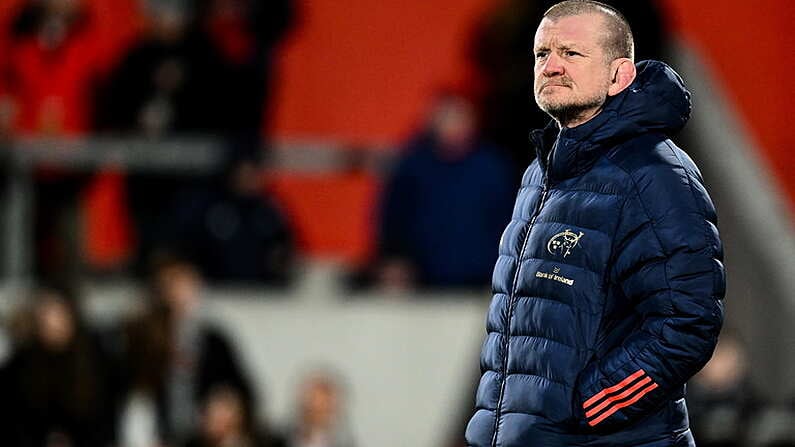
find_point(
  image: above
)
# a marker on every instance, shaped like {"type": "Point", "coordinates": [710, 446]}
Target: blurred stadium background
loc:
{"type": "Point", "coordinates": [243, 222]}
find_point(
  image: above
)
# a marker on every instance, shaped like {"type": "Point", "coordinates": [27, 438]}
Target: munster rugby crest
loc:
{"type": "Point", "coordinates": [564, 242]}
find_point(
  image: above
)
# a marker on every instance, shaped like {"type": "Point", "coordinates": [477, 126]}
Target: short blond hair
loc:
{"type": "Point", "coordinates": [618, 41]}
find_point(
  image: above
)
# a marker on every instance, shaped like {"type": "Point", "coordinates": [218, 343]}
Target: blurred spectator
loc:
{"type": "Point", "coordinates": [720, 399]}
{"type": "Point", "coordinates": [175, 358]}
{"type": "Point", "coordinates": [245, 34]}
{"type": "Point", "coordinates": [163, 83]}
{"type": "Point", "coordinates": [502, 50]}
{"type": "Point", "coordinates": [225, 423]}
{"type": "Point", "coordinates": [231, 229]}
{"type": "Point", "coordinates": [445, 205]}
{"type": "Point", "coordinates": [321, 417]}
{"type": "Point", "coordinates": [57, 51]}
{"type": "Point", "coordinates": [161, 86]}
{"type": "Point", "coordinates": [54, 52]}
{"type": "Point", "coordinates": [58, 387]}
{"type": "Point", "coordinates": [202, 67]}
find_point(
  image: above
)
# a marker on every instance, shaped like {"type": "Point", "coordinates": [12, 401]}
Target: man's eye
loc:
{"type": "Point", "coordinates": [541, 54]}
{"type": "Point", "coordinates": [572, 53]}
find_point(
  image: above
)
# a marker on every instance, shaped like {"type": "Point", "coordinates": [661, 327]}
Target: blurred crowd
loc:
{"type": "Point", "coordinates": [74, 68]}
{"type": "Point", "coordinates": [204, 67]}
{"type": "Point", "coordinates": [166, 375]}
{"type": "Point", "coordinates": [163, 377]}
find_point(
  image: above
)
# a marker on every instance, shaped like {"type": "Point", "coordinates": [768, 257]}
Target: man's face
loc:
{"type": "Point", "coordinates": [572, 70]}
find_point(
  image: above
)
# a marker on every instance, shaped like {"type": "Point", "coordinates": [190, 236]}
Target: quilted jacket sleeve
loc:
{"type": "Point", "coordinates": [667, 264]}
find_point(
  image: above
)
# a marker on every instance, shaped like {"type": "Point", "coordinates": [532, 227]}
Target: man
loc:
{"type": "Point", "coordinates": [445, 205]}
{"type": "Point", "coordinates": [609, 282]}
{"type": "Point", "coordinates": [175, 359]}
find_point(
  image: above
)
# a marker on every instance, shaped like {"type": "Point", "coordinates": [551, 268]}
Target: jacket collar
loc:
{"type": "Point", "coordinates": [574, 150]}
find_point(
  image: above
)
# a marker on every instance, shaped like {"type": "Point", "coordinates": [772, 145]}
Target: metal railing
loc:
{"type": "Point", "coordinates": [196, 155]}
{"type": "Point", "coordinates": [21, 158]}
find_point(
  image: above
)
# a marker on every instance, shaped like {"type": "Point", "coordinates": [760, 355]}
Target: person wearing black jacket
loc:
{"type": "Point", "coordinates": [59, 386]}
{"type": "Point", "coordinates": [176, 358]}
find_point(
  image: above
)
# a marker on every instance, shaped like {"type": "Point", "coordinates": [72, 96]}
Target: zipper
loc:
{"type": "Point", "coordinates": [512, 297]}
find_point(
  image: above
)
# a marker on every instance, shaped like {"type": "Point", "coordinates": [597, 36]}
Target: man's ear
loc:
{"type": "Point", "coordinates": [623, 73]}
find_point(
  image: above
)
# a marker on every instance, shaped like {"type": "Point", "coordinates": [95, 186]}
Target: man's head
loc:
{"type": "Point", "coordinates": [584, 52]}
{"type": "Point", "coordinates": [320, 401]}
{"type": "Point", "coordinates": [453, 124]}
{"type": "Point", "coordinates": [178, 285]}
{"type": "Point", "coordinates": [224, 417]}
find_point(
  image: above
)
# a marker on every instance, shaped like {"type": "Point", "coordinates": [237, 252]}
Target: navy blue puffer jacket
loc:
{"type": "Point", "coordinates": [608, 288]}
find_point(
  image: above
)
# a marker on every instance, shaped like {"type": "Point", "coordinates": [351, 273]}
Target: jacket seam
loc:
{"type": "Point", "coordinates": [561, 302]}
{"type": "Point", "coordinates": [518, 373]}
{"type": "Point", "coordinates": [593, 191]}
{"type": "Point", "coordinates": [543, 337]}
{"type": "Point", "coordinates": [692, 193]}
{"type": "Point", "coordinates": [636, 192]}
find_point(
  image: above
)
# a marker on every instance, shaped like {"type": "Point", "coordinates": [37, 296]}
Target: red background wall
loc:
{"type": "Point", "coordinates": [749, 45]}
{"type": "Point", "coordinates": [361, 71]}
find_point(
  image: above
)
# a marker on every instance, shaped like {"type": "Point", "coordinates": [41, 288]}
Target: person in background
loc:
{"type": "Point", "coordinates": [231, 229]}
{"type": "Point", "coordinates": [54, 54]}
{"type": "Point", "coordinates": [320, 420]}
{"type": "Point", "coordinates": [175, 358]}
{"type": "Point", "coordinates": [160, 85]}
{"type": "Point", "coordinates": [57, 53]}
{"type": "Point", "coordinates": [444, 206]}
{"type": "Point", "coordinates": [159, 89]}
{"type": "Point", "coordinates": [202, 68]}
{"type": "Point", "coordinates": [225, 422]}
{"type": "Point", "coordinates": [245, 35]}
{"type": "Point", "coordinates": [58, 387]}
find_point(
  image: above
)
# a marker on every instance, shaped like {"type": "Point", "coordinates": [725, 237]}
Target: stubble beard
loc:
{"type": "Point", "coordinates": [573, 111]}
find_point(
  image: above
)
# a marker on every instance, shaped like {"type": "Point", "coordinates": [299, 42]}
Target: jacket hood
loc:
{"type": "Point", "coordinates": [656, 101]}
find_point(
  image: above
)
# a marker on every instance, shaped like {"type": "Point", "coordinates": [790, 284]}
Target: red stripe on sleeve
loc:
{"type": "Point", "coordinates": [613, 388]}
{"type": "Point", "coordinates": [618, 397]}
{"type": "Point", "coordinates": [617, 407]}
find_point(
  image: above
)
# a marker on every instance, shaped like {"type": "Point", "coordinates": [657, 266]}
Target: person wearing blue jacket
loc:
{"type": "Point", "coordinates": [609, 283]}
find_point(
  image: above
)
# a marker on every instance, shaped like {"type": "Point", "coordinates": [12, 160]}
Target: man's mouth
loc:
{"type": "Point", "coordinates": [554, 85]}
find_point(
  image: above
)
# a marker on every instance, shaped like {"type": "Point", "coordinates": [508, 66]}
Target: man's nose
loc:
{"type": "Point", "coordinates": [553, 66]}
